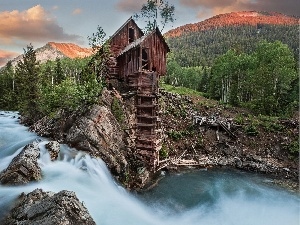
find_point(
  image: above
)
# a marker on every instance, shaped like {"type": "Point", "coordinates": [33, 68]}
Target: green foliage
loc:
{"type": "Point", "coordinates": [43, 89]}
{"type": "Point", "coordinates": [195, 78]}
{"type": "Point", "coordinates": [8, 97]}
{"type": "Point", "coordinates": [260, 81]}
{"type": "Point", "coordinates": [239, 119]}
{"type": "Point", "coordinates": [26, 84]}
{"type": "Point", "coordinates": [156, 13]}
{"type": "Point", "coordinates": [175, 135]}
{"type": "Point", "coordinates": [66, 95]}
{"type": "Point", "coordinates": [163, 152]}
{"type": "Point", "coordinates": [180, 90]}
{"type": "Point", "coordinates": [199, 142]}
{"type": "Point", "coordinates": [251, 130]}
{"type": "Point", "coordinates": [117, 110]}
{"type": "Point", "coordinates": [294, 148]}
{"type": "Point", "coordinates": [270, 124]}
{"type": "Point", "coordinates": [97, 39]}
{"type": "Point", "coordinates": [202, 48]}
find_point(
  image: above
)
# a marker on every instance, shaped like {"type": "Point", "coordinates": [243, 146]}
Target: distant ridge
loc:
{"type": "Point", "coordinates": [53, 50]}
{"type": "Point", "coordinates": [235, 18]}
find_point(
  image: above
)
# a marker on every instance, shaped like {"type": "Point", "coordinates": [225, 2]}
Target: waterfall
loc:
{"type": "Point", "coordinates": [202, 197]}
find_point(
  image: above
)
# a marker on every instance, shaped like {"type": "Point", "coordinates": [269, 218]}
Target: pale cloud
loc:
{"type": "Point", "coordinates": [289, 7]}
{"type": "Point", "coordinates": [204, 13]}
{"type": "Point", "coordinates": [207, 3]}
{"type": "Point", "coordinates": [55, 7]}
{"type": "Point", "coordinates": [131, 6]}
{"type": "Point", "coordinates": [77, 11]}
{"type": "Point", "coordinates": [5, 56]}
{"type": "Point", "coordinates": [32, 25]}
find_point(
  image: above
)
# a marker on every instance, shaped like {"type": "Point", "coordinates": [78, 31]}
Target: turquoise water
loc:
{"type": "Point", "coordinates": [225, 197]}
{"type": "Point", "coordinates": [220, 196]}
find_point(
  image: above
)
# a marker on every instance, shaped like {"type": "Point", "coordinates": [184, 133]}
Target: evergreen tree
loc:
{"type": "Point", "coordinates": [27, 80]}
{"type": "Point", "coordinates": [7, 99]}
{"type": "Point", "coordinates": [59, 76]}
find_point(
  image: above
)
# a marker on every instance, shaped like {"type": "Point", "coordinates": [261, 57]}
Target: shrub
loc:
{"type": "Point", "coordinates": [294, 148]}
{"type": "Point", "coordinates": [163, 152]}
{"type": "Point", "coordinates": [251, 130]}
{"type": "Point", "coordinates": [117, 110]}
{"type": "Point", "coordinates": [239, 119]}
{"type": "Point", "coordinates": [175, 135]}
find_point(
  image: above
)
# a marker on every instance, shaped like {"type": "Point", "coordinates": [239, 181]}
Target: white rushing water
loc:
{"type": "Point", "coordinates": [210, 202]}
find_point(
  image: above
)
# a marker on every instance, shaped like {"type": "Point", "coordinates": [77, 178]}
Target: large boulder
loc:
{"type": "Point", "coordinates": [99, 133]}
{"type": "Point", "coordinates": [47, 208]}
{"type": "Point", "coordinates": [24, 167]}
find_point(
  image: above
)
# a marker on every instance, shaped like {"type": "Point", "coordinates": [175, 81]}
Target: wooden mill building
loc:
{"type": "Point", "coordinates": [138, 62]}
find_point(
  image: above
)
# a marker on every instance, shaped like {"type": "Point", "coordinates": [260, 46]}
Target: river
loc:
{"type": "Point", "coordinates": [204, 197]}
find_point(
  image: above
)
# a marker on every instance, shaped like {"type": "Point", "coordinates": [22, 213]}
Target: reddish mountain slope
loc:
{"type": "Point", "coordinates": [71, 50]}
{"type": "Point", "coordinates": [235, 18]}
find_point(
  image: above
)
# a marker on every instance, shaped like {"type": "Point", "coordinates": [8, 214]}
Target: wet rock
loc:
{"type": "Point", "coordinates": [238, 162]}
{"type": "Point", "coordinates": [53, 149]}
{"type": "Point", "coordinates": [99, 133]}
{"type": "Point", "coordinates": [223, 161]}
{"type": "Point", "coordinates": [142, 177]}
{"type": "Point", "coordinates": [47, 208]}
{"type": "Point", "coordinates": [24, 167]}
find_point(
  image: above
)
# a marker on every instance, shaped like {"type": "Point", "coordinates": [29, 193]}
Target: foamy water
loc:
{"type": "Point", "coordinates": [201, 197]}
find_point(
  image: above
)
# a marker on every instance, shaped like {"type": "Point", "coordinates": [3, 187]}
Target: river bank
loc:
{"type": "Point", "coordinates": [254, 143]}
{"type": "Point", "coordinates": [258, 144]}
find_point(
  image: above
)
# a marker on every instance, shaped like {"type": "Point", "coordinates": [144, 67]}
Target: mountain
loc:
{"type": "Point", "coordinates": [252, 18]}
{"type": "Point", "coordinates": [200, 43]}
{"type": "Point", "coordinates": [53, 50]}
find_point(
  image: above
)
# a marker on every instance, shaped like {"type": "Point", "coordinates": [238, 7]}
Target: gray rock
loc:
{"type": "Point", "coordinates": [24, 167]}
{"type": "Point", "coordinates": [238, 162]}
{"type": "Point", "coordinates": [53, 149]}
{"type": "Point", "coordinates": [223, 161]}
{"type": "Point", "coordinates": [100, 134]}
{"type": "Point", "coordinates": [48, 208]}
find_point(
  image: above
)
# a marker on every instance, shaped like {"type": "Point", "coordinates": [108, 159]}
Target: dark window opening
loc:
{"type": "Point", "coordinates": [131, 35]}
{"type": "Point", "coordinates": [145, 63]}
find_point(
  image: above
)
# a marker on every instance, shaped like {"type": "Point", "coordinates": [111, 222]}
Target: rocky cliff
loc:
{"type": "Point", "coordinates": [103, 130]}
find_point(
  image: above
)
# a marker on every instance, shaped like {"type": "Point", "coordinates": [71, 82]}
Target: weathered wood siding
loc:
{"type": "Point", "coordinates": [157, 52]}
{"type": "Point", "coordinates": [121, 38]}
{"type": "Point", "coordinates": [131, 61]}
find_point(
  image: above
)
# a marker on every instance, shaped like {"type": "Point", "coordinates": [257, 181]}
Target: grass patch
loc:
{"type": "Point", "coordinates": [180, 90]}
{"type": "Point", "coordinates": [251, 130]}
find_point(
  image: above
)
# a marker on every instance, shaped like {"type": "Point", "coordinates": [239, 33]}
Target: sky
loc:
{"type": "Point", "coordinates": [37, 22]}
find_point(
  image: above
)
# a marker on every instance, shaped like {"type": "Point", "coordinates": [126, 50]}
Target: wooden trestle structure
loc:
{"type": "Point", "coordinates": [138, 61]}
{"type": "Point", "coordinates": [148, 130]}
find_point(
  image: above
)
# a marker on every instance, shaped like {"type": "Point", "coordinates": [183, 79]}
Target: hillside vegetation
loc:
{"type": "Point", "coordinates": [246, 59]}
{"type": "Point", "coordinates": [199, 44]}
